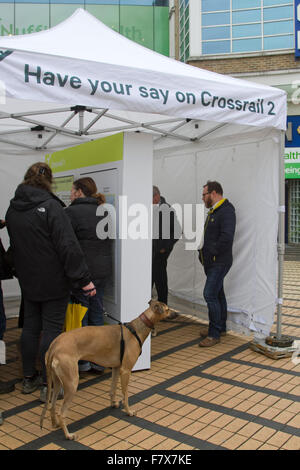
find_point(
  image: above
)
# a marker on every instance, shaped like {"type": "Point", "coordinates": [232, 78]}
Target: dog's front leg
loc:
{"type": "Point", "coordinates": [125, 376]}
{"type": "Point", "coordinates": [113, 390]}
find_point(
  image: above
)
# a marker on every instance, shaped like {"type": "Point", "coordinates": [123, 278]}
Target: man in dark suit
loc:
{"type": "Point", "coordinates": [216, 257]}
{"type": "Point", "coordinates": [166, 232]}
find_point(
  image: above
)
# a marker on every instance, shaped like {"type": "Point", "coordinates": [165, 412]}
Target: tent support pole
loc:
{"type": "Point", "coordinates": [281, 233]}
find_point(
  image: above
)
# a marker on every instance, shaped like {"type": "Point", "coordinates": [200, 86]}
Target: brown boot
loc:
{"type": "Point", "coordinates": [208, 342]}
{"type": "Point", "coordinates": [204, 331]}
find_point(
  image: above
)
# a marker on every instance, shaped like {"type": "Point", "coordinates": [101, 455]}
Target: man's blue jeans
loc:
{"type": "Point", "coordinates": [215, 298]}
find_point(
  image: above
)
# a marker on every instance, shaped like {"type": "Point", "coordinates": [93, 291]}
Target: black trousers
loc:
{"type": "Point", "coordinates": [160, 276]}
{"type": "Point", "coordinates": [43, 322]}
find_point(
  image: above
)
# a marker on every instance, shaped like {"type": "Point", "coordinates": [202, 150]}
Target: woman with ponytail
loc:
{"type": "Point", "coordinates": [97, 251]}
{"type": "Point", "coordinates": [49, 263]}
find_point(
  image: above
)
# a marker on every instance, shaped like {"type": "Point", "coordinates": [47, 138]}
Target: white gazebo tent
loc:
{"type": "Point", "coordinates": [60, 88]}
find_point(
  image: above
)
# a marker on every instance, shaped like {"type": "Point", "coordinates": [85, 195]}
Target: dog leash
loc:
{"type": "Point", "coordinates": [114, 319]}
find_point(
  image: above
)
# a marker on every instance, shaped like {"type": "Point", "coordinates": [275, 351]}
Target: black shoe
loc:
{"type": "Point", "coordinates": [44, 391]}
{"type": "Point", "coordinates": [6, 387]}
{"type": "Point", "coordinates": [31, 384]}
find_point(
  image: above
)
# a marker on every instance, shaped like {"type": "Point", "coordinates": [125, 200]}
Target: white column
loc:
{"type": "Point", "coordinates": [195, 28]}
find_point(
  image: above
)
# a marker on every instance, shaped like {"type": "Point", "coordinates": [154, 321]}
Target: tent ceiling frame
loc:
{"type": "Point", "coordinates": [56, 132]}
{"type": "Point", "coordinates": [210, 131]}
{"type": "Point", "coordinates": [16, 131]}
{"type": "Point", "coordinates": [5, 141]}
{"type": "Point", "coordinates": [98, 116]}
{"type": "Point", "coordinates": [173, 129]}
{"type": "Point", "coordinates": [87, 130]}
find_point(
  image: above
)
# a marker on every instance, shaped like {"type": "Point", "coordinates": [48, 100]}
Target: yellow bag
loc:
{"type": "Point", "coordinates": [74, 315]}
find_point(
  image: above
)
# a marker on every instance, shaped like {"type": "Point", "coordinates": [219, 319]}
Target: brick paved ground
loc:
{"type": "Point", "coordinates": [225, 397]}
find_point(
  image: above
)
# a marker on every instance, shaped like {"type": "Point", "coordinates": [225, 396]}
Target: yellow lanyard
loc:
{"type": "Point", "coordinates": [211, 211]}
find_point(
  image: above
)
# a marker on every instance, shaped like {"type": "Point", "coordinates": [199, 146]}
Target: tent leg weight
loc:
{"type": "Point", "coordinates": [282, 342]}
{"type": "Point", "coordinates": [270, 347]}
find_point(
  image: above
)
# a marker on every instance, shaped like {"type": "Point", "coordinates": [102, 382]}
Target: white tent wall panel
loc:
{"type": "Point", "coordinates": [248, 171]}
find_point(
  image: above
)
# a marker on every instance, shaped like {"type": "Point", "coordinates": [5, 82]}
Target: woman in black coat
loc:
{"type": "Point", "coordinates": [97, 251]}
{"type": "Point", "coordinates": [49, 263]}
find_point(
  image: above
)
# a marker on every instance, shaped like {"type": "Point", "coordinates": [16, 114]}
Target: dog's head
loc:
{"type": "Point", "coordinates": [160, 310]}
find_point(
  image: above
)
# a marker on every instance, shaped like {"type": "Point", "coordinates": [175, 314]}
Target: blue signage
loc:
{"type": "Point", "coordinates": [292, 135]}
{"type": "Point", "coordinates": [297, 28]}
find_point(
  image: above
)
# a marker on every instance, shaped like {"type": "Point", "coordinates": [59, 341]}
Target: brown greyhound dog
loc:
{"type": "Point", "coordinates": [115, 346]}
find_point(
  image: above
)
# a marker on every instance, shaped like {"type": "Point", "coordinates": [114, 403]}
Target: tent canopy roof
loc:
{"type": "Point", "coordinates": [111, 77]}
{"type": "Point", "coordinates": [99, 43]}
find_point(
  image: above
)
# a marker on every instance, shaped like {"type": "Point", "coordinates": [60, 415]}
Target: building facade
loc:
{"type": "Point", "coordinates": [257, 40]}
{"type": "Point", "coordinates": [144, 21]}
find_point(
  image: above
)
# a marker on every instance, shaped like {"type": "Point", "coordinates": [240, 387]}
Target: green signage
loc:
{"type": "Point", "coordinates": [107, 149]}
{"type": "Point", "coordinates": [292, 162]}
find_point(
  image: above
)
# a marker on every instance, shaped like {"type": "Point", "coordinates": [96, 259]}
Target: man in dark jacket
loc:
{"type": "Point", "coordinates": [166, 232]}
{"type": "Point", "coordinates": [49, 263]}
{"type": "Point", "coordinates": [216, 257]}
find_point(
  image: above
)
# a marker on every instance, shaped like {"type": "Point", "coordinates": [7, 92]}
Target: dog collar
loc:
{"type": "Point", "coordinates": [146, 321]}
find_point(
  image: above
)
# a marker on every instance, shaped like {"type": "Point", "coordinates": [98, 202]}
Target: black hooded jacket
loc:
{"type": "Point", "coordinates": [98, 252]}
{"type": "Point", "coordinates": [47, 256]}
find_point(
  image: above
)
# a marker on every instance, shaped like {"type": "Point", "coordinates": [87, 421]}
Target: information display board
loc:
{"type": "Point", "coordinates": [121, 166]}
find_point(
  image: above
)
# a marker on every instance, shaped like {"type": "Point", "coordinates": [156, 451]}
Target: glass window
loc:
{"type": "Point", "coordinates": [239, 4]}
{"type": "Point", "coordinates": [246, 30]}
{"type": "Point", "coordinates": [60, 12]}
{"type": "Point", "coordinates": [108, 14]}
{"type": "Point", "coordinates": [136, 2]}
{"type": "Point", "coordinates": [215, 5]}
{"type": "Point", "coordinates": [247, 16]}
{"type": "Point", "coordinates": [279, 42]}
{"type": "Point", "coordinates": [187, 52]}
{"type": "Point", "coordinates": [268, 3]}
{"type": "Point", "coordinates": [278, 27]}
{"type": "Point", "coordinates": [184, 29]}
{"type": "Point", "coordinates": [214, 19]}
{"type": "Point", "coordinates": [216, 47]}
{"type": "Point", "coordinates": [161, 30]}
{"type": "Point", "coordinates": [100, 2]}
{"type": "Point", "coordinates": [32, 1]}
{"type": "Point", "coordinates": [278, 13]}
{"type": "Point", "coordinates": [31, 18]}
{"type": "Point", "coordinates": [77, 2]}
{"type": "Point", "coordinates": [220, 32]}
{"type": "Point", "coordinates": [246, 45]}
{"type": "Point", "coordinates": [136, 23]}
{"type": "Point", "coordinates": [7, 25]}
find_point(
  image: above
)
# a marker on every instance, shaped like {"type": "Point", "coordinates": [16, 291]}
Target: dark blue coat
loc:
{"type": "Point", "coordinates": [218, 236]}
{"type": "Point", "coordinates": [98, 253]}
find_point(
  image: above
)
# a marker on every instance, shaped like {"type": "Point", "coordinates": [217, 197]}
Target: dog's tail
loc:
{"type": "Point", "coordinates": [48, 362]}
